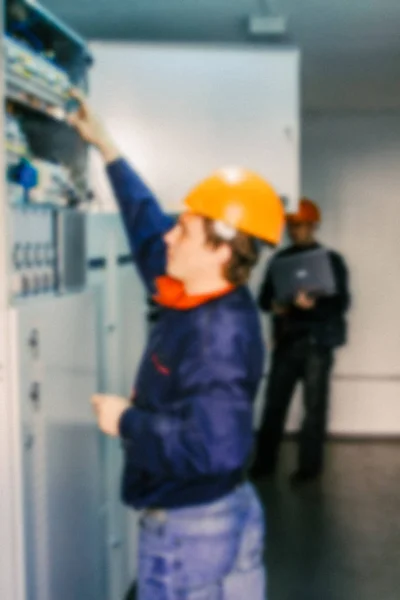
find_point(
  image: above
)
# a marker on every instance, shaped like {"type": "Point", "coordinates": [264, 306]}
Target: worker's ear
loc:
{"type": "Point", "coordinates": [224, 253]}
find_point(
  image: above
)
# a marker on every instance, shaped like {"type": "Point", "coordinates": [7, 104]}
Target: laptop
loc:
{"type": "Point", "coordinates": [309, 271]}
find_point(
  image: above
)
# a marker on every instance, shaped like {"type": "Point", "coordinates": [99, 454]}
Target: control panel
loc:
{"type": "Point", "coordinates": [45, 159]}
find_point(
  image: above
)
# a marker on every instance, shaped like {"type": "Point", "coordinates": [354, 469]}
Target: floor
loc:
{"type": "Point", "coordinates": [339, 538]}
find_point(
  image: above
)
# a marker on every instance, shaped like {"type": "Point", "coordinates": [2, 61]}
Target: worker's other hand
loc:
{"type": "Point", "coordinates": [109, 410]}
{"type": "Point", "coordinates": [278, 309]}
{"type": "Point", "coordinates": [304, 301]}
{"type": "Point", "coordinates": [90, 127]}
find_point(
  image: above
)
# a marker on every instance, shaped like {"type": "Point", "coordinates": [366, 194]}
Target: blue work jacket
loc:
{"type": "Point", "coordinates": [189, 434]}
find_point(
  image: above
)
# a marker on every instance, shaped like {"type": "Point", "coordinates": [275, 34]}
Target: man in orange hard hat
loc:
{"type": "Point", "coordinates": [187, 435]}
{"type": "Point", "coordinates": [306, 332]}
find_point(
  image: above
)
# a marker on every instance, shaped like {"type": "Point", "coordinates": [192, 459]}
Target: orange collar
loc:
{"type": "Point", "coordinates": [171, 293]}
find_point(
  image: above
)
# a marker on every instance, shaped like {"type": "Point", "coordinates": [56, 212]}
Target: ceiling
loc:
{"type": "Point", "coordinates": [351, 48]}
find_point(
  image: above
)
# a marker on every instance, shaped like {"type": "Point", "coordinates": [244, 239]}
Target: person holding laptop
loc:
{"type": "Point", "coordinates": [306, 290]}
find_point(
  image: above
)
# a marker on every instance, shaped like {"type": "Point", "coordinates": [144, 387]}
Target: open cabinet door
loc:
{"type": "Point", "coordinates": [56, 375]}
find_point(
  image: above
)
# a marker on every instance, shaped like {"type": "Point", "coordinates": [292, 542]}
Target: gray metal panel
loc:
{"type": "Point", "coordinates": [64, 521]}
{"type": "Point", "coordinates": [12, 575]}
{"type": "Point", "coordinates": [132, 306]}
{"type": "Point", "coordinates": [122, 332]}
{"type": "Point", "coordinates": [71, 257]}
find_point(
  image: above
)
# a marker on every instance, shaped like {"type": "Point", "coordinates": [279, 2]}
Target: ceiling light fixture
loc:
{"type": "Point", "coordinates": [264, 23]}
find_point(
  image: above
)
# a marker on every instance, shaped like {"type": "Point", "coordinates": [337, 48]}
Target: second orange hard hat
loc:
{"type": "Point", "coordinates": [307, 212]}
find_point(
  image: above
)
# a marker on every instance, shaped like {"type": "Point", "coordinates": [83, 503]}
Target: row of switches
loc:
{"type": "Point", "coordinates": [33, 255]}
{"type": "Point", "coordinates": [33, 251]}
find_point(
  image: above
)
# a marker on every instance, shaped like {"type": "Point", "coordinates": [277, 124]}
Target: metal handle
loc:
{"type": "Point", "coordinates": [34, 395]}
{"type": "Point", "coordinates": [33, 342]}
{"type": "Point", "coordinates": [116, 543]}
{"type": "Point", "coordinates": [29, 440]}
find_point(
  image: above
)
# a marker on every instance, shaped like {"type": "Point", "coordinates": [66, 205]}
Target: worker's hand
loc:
{"type": "Point", "coordinates": [109, 410]}
{"type": "Point", "coordinates": [304, 301]}
{"type": "Point", "coordinates": [278, 309]}
{"type": "Point", "coordinates": [91, 129]}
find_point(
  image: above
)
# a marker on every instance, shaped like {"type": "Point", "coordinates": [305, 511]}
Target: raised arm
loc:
{"type": "Point", "coordinates": [145, 223]}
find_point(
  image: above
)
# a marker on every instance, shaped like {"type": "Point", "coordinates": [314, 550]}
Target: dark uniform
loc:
{"type": "Point", "coordinates": [304, 343]}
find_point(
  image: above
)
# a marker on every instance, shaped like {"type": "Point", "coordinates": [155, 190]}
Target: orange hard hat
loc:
{"type": "Point", "coordinates": [242, 201]}
{"type": "Point", "coordinates": [307, 212]}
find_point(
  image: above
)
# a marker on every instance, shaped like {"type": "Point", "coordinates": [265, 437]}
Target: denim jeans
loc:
{"type": "Point", "coordinates": [209, 552]}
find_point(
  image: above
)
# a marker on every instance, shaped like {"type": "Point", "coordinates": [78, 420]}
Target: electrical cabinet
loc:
{"type": "Point", "coordinates": [55, 523]}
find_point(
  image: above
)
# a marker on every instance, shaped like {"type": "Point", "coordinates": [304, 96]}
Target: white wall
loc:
{"type": "Point", "coordinates": [351, 166]}
{"type": "Point", "coordinates": [181, 111]}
